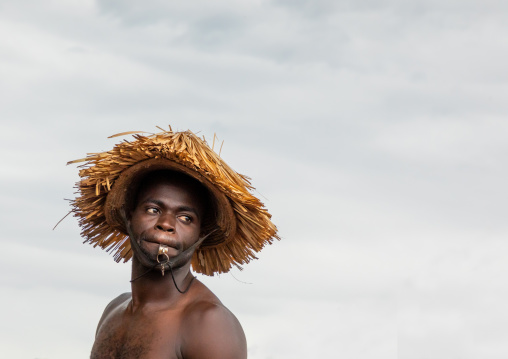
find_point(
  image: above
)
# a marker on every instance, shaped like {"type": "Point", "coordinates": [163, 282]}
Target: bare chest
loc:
{"type": "Point", "coordinates": [124, 336]}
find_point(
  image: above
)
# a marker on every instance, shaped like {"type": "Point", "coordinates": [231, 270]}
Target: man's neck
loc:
{"type": "Point", "coordinates": [155, 290]}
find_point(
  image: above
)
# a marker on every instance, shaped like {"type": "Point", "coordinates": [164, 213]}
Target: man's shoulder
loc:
{"type": "Point", "coordinates": [114, 304]}
{"type": "Point", "coordinates": [204, 310]}
{"type": "Point", "coordinates": [122, 298]}
{"type": "Point", "coordinates": [204, 306]}
{"type": "Point", "coordinates": [211, 330]}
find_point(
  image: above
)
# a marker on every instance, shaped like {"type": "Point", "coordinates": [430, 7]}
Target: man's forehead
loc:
{"type": "Point", "coordinates": [167, 187]}
{"type": "Point", "coordinates": [180, 187]}
{"type": "Point", "coordinates": [169, 179]}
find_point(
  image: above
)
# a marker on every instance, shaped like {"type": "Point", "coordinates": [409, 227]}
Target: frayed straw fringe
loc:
{"type": "Point", "coordinates": [99, 172]}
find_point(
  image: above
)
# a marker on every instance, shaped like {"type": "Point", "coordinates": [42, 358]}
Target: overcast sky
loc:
{"type": "Point", "coordinates": [374, 131]}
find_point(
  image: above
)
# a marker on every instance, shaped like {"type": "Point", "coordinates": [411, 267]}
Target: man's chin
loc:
{"type": "Point", "coordinates": [151, 250]}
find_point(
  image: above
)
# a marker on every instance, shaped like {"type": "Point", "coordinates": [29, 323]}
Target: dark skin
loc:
{"type": "Point", "coordinates": [155, 320]}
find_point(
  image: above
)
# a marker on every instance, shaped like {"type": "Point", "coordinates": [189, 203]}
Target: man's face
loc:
{"type": "Point", "coordinates": [167, 212]}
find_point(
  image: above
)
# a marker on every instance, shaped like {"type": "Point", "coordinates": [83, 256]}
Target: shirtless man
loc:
{"type": "Point", "coordinates": [170, 203]}
{"type": "Point", "coordinates": [156, 320]}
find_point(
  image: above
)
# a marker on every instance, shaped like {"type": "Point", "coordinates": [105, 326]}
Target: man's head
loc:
{"type": "Point", "coordinates": [239, 226]}
{"type": "Point", "coordinates": [167, 208]}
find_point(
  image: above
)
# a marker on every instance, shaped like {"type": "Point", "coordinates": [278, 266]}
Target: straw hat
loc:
{"type": "Point", "coordinates": [240, 223]}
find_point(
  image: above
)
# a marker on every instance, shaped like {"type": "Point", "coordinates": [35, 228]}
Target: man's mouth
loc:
{"type": "Point", "coordinates": [171, 243]}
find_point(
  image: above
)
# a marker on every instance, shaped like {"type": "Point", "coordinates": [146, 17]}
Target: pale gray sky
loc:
{"type": "Point", "coordinates": [375, 132]}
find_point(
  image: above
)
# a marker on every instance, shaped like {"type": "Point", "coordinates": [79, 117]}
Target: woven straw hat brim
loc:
{"type": "Point", "coordinates": [243, 226]}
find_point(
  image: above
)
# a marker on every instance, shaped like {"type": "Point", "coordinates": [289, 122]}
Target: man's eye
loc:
{"type": "Point", "coordinates": [152, 210]}
{"type": "Point", "coordinates": [185, 219]}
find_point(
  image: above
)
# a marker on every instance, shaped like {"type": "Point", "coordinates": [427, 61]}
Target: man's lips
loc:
{"type": "Point", "coordinates": [169, 242]}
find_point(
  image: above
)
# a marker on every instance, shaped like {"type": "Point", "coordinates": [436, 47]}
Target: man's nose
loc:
{"type": "Point", "coordinates": [165, 223]}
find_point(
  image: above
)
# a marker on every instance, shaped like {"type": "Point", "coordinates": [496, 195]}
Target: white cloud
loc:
{"type": "Point", "coordinates": [375, 132]}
